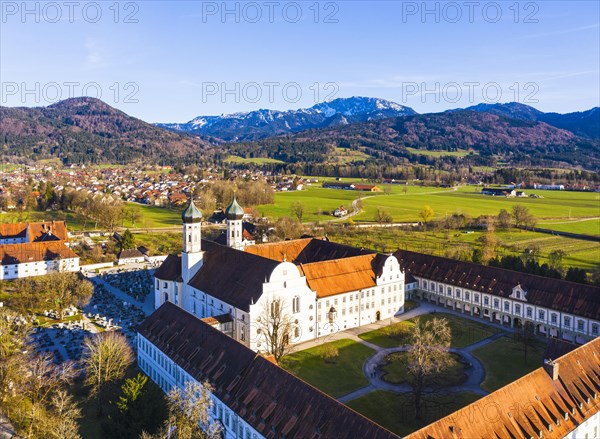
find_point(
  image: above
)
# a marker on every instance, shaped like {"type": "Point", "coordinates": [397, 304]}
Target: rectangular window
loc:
{"type": "Point", "coordinates": [541, 315]}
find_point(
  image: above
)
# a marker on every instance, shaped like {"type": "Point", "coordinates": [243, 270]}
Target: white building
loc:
{"type": "Point", "coordinates": [320, 286]}
{"type": "Point", "coordinates": [555, 307]}
{"type": "Point", "coordinates": [35, 249]}
{"type": "Point", "coordinates": [252, 397]}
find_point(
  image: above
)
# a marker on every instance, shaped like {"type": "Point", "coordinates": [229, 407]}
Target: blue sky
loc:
{"type": "Point", "coordinates": [171, 61]}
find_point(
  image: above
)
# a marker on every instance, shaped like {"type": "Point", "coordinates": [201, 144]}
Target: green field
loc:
{"type": "Point", "coordinates": [469, 201]}
{"type": "Point", "coordinates": [314, 199]}
{"type": "Point", "coordinates": [255, 160]}
{"type": "Point", "coordinates": [504, 361]}
{"type": "Point", "coordinates": [151, 217]}
{"type": "Point", "coordinates": [438, 153]}
{"type": "Point", "coordinates": [464, 331]}
{"type": "Point", "coordinates": [405, 206]}
{"type": "Point", "coordinates": [339, 377]}
{"type": "Point", "coordinates": [583, 226]}
{"type": "Point", "coordinates": [345, 155]}
{"type": "Point", "coordinates": [396, 411]}
{"type": "Point", "coordinates": [580, 253]}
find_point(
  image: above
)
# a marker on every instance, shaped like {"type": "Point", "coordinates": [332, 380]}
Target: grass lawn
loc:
{"type": "Point", "coordinates": [464, 332]}
{"type": "Point", "coordinates": [396, 371]}
{"type": "Point", "coordinates": [410, 304]}
{"type": "Point", "coordinates": [468, 200]}
{"type": "Point", "coordinates": [583, 226]}
{"type": "Point", "coordinates": [504, 361]}
{"type": "Point", "coordinates": [151, 216]}
{"type": "Point", "coordinates": [337, 378]}
{"type": "Point", "coordinates": [396, 411]}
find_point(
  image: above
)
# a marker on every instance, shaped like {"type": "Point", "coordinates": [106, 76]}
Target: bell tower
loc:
{"type": "Point", "coordinates": [192, 255]}
{"type": "Point", "coordinates": [234, 214]}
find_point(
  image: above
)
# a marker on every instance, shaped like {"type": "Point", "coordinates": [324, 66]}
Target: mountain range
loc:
{"type": "Point", "coordinates": [89, 131]}
{"type": "Point", "coordinates": [581, 123]}
{"type": "Point", "coordinates": [488, 137]}
{"type": "Point", "coordinates": [259, 124]}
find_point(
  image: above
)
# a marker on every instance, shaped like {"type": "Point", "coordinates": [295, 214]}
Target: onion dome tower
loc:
{"type": "Point", "coordinates": [234, 214]}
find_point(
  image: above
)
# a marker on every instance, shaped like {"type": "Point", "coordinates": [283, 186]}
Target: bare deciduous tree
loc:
{"type": "Point", "coordinates": [297, 210]}
{"type": "Point", "coordinates": [63, 415]}
{"type": "Point", "coordinates": [274, 328]}
{"type": "Point", "coordinates": [106, 358]}
{"type": "Point", "coordinates": [66, 289]}
{"type": "Point", "coordinates": [13, 338]}
{"type": "Point", "coordinates": [189, 414]}
{"type": "Point", "coordinates": [428, 355]}
{"type": "Point", "coordinates": [41, 380]}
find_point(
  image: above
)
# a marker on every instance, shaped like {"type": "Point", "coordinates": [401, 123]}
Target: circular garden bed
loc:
{"type": "Point", "coordinates": [395, 371]}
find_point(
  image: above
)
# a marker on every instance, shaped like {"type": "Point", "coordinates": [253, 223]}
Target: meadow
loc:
{"type": "Point", "coordinates": [579, 253]}
{"type": "Point", "coordinates": [405, 202]}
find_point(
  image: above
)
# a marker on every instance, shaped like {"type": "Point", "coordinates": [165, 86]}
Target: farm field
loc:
{"type": "Point", "coordinates": [469, 201]}
{"type": "Point", "coordinates": [255, 160]}
{"type": "Point", "coordinates": [439, 153]}
{"type": "Point", "coordinates": [583, 226]}
{"type": "Point", "coordinates": [579, 253]}
{"type": "Point", "coordinates": [405, 206]}
{"type": "Point", "coordinates": [151, 217]}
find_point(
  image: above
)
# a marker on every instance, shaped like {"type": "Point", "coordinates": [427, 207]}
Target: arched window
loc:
{"type": "Point", "coordinates": [296, 304]}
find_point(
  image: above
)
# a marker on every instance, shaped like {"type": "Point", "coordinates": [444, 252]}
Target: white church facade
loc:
{"type": "Point", "coordinates": [319, 286]}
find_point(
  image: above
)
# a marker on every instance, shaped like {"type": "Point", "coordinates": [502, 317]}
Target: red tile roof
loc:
{"type": "Point", "coordinates": [11, 254]}
{"type": "Point", "coordinates": [533, 406]}
{"type": "Point", "coordinates": [569, 297]}
{"type": "Point", "coordinates": [273, 401]}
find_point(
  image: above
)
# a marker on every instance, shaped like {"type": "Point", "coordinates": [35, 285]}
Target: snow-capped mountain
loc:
{"type": "Point", "coordinates": [265, 123]}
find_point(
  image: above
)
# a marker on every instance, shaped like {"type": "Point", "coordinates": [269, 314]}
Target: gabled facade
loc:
{"type": "Point", "coordinates": [35, 249]}
{"type": "Point", "coordinates": [321, 287]}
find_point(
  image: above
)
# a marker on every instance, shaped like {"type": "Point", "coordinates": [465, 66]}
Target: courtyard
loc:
{"type": "Point", "coordinates": [369, 374]}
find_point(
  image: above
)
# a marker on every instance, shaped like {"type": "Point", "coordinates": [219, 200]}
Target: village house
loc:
{"type": "Point", "coordinates": [35, 249]}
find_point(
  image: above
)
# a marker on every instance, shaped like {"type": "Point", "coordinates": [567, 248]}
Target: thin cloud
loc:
{"type": "Point", "coordinates": [564, 31]}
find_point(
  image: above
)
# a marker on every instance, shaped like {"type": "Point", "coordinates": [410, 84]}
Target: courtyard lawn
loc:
{"type": "Point", "coordinates": [396, 411]}
{"type": "Point", "coordinates": [410, 304]}
{"type": "Point", "coordinates": [504, 361]}
{"type": "Point", "coordinates": [339, 377]}
{"type": "Point", "coordinates": [464, 331]}
{"type": "Point", "coordinates": [396, 371]}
